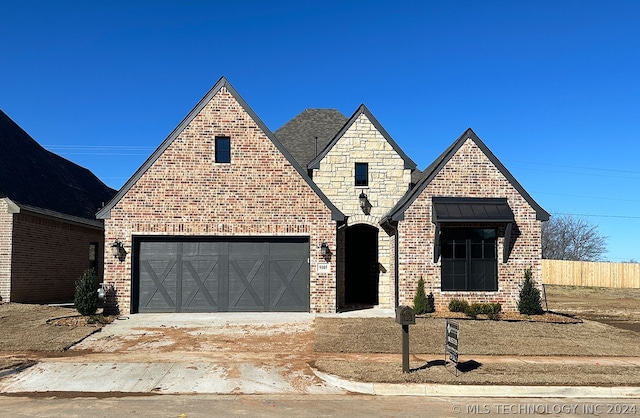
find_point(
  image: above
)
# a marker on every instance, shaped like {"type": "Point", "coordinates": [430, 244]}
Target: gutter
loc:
{"type": "Point", "coordinates": [386, 221]}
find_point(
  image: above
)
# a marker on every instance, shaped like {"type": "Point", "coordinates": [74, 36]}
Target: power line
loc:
{"type": "Point", "coordinates": [587, 197]}
{"type": "Point", "coordinates": [597, 216]}
{"type": "Point", "coordinates": [576, 167]}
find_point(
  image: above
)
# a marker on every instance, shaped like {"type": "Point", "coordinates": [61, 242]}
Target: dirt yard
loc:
{"type": "Point", "coordinates": [610, 328]}
{"type": "Point", "coordinates": [617, 307]}
{"type": "Point", "coordinates": [368, 349]}
{"type": "Point", "coordinates": [31, 331]}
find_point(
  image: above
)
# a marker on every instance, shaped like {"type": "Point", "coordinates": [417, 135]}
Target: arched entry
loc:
{"type": "Point", "coordinates": [361, 265]}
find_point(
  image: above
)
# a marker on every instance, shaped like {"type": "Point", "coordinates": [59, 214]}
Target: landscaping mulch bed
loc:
{"type": "Point", "coordinates": [548, 317]}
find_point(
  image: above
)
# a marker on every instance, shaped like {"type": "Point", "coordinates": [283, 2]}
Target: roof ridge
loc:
{"type": "Point", "coordinates": [397, 212]}
{"type": "Point", "coordinates": [105, 212]}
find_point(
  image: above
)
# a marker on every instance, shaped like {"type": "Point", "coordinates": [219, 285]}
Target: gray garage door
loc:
{"type": "Point", "coordinates": [209, 275]}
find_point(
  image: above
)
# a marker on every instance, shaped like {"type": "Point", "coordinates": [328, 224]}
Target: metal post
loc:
{"type": "Point", "coordinates": [405, 349]}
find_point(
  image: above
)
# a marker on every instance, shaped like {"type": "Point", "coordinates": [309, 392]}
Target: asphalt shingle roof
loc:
{"type": "Point", "coordinates": [33, 177]}
{"type": "Point", "coordinates": [299, 135]}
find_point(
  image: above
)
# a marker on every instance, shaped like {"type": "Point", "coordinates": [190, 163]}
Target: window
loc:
{"type": "Point", "coordinates": [469, 259]}
{"type": "Point", "coordinates": [93, 256]}
{"type": "Point", "coordinates": [362, 174]}
{"type": "Point", "coordinates": [223, 149]}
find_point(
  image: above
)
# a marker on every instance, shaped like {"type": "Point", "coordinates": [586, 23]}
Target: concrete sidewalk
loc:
{"type": "Point", "coordinates": [99, 364]}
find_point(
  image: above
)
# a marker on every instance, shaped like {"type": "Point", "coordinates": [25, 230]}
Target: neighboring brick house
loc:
{"type": "Point", "coordinates": [325, 214]}
{"type": "Point", "coordinates": [48, 232]}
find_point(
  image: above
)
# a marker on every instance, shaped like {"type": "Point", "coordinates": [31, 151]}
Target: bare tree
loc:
{"type": "Point", "coordinates": [566, 237]}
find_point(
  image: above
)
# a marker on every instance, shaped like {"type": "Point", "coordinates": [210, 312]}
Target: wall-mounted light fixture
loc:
{"type": "Point", "coordinates": [324, 249]}
{"type": "Point", "coordinates": [118, 251]}
{"type": "Point", "coordinates": [363, 200]}
{"type": "Point", "coordinates": [364, 203]}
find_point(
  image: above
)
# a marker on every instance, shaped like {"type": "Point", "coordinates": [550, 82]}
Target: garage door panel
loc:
{"type": "Point", "coordinates": [247, 280]}
{"type": "Point", "coordinates": [158, 279]}
{"type": "Point", "coordinates": [288, 285]}
{"type": "Point", "coordinates": [200, 281]}
{"type": "Point", "coordinates": [210, 275]}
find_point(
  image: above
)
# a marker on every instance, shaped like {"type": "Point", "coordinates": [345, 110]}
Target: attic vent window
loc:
{"type": "Point", "coordinates": [362, 174]}
{"type": "Point", "coordinates": [223, 149]}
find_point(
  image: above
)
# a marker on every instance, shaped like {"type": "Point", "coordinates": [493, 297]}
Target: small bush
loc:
{"type": "Point", "coordinates": [431, 303]}
{"type": "Point", "coordinates": [421, 302]}
{"type": "Point", "coordinates": [458, 305]}
{"type": "Point", "coordinates": [472, 310]}
{"type": "Point", "coordinates": [420, 299]}
{"type": "Point", "coordinates": [490, 309]}
{"type": "Point", "coordinates": [86, 296]}
{"type": "Point", "coordinates": [530, 302]}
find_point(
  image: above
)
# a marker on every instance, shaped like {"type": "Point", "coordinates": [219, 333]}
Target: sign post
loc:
{"type": "Point", "coordinates": [451, 341]}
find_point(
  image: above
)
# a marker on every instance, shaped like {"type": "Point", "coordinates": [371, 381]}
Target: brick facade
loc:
{"type": "Point", "coordinates": [6, 232]}
{"type": "Point", "coordinates": [388, 181]}
{"type": "Point", "coordinates": [41, 256]}
{"type": "Point", "coordinates": [469, 173]}
{"type": "Point", "coordinates": [184, 192]}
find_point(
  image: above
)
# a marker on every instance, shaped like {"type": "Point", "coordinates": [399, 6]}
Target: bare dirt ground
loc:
{"type": "Point", "coordinates": [610, 328]}
{"type": "Point", "coordinates": [368, 349]}
{"type": "Point", "coordinates": [31, 331]}
{"type": "Point", "coordinates": [617, 307]}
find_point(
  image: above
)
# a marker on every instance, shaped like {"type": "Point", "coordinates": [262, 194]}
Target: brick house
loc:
{"type": "Point", "coordinates": [468, 228]}
{"type": "Point", "coordinates": [327, 213]}
{"type": "Point", "coordinates": [48, 231]}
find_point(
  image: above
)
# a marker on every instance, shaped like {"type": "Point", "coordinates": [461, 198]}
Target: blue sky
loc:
{"type": "Point", "coordinates": [551, 87]}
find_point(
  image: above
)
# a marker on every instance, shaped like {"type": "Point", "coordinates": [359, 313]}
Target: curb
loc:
{"type": "Point", "coordinates": [488, 391]}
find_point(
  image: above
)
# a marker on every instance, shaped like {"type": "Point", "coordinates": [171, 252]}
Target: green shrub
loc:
{"type": "Point", "coordinates": [458, 305]}
{"type": "Point", "coordinates": [86, 296]}
{"type": "Point", "coordinates": [431, 303]}
{"type": "Point", "coordinates": [529, 303]}
{"type": "Point", "coordinates": [490, 309]}
{"type": "Point", "coordinates": [487, 308]}
{"type": "Point", "coordinates": [421, 302]}
{"type": "Point", "coordinates": [471, 310]}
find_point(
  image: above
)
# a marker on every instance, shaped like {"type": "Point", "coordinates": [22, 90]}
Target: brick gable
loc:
{"type": "Point", "coordinates": [185, 193]}
{"type": "Point", "coordinates": [468, 173]}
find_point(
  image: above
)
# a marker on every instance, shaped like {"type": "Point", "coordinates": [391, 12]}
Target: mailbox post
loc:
{"type": "Point", "coordinates": [405, 316]}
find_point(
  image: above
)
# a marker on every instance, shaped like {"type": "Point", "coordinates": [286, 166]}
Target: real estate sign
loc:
{"type": "Point", "coordinates": [451, 343]}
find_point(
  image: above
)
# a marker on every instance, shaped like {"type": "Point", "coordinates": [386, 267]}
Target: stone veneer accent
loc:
{"type": "Point", "coordinates": [469, 173]}
{"type": "Point", "coordinates": [388, 182]}
{"type": "Point", "coordinates": [184, 192]}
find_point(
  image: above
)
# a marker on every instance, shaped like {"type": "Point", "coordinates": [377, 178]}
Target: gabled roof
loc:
{"type": "Point", "coordinates": [408, 163]}
{"type": "Point", "coordinates": [40, 181]}
{"type": "Point", "coordinates": [397, 213]}
{"type": "Point", "coordinates": [300, 133]}
{"type": "Point", "coordinates": [105, 213]}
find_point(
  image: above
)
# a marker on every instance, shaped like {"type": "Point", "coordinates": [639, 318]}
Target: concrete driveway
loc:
{"type": "Point", "coordinates": [248, 353]}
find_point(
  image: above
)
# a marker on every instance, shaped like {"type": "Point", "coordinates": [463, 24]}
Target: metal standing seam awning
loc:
{"type": "Point", "coordinates": [472, 210]}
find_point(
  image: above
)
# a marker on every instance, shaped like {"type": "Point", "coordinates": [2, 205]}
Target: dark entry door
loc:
{"type": "Point", "coordinates": [362, 272]}
{"type": "Point", "coordinates": [213, 275]}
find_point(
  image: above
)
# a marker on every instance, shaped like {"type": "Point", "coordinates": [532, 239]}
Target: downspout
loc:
{"type": "Point", "coordinates": [396, 258]}
{"type": "Point", "coordinates": [396, 272]}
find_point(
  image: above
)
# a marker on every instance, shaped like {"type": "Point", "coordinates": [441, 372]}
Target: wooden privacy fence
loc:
{"type": "Point", "coordinates": [591, 274]}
